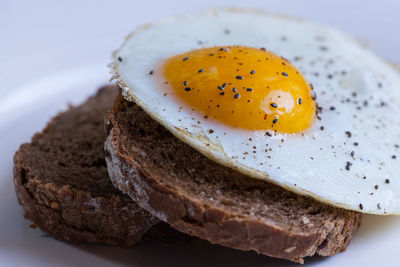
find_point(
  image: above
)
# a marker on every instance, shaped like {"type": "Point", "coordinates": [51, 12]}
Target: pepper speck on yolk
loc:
{"type": "Point", "coordinates": [243, 87]}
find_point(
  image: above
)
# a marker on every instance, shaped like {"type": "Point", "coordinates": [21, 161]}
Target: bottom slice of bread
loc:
{"type": "Point", "coordinates": [61, 180]}
{"type": "Point", "coordinates": [202, 198]}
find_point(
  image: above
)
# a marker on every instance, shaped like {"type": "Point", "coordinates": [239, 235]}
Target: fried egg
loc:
{"type": "Point", "coordinates": [284, 100]}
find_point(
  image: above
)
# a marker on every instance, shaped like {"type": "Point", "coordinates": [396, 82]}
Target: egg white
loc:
{"type": "Point", "coordinates": [363, 89]}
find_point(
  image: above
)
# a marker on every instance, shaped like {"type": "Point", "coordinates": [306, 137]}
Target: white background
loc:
{"type": "Point", "coordinates": [55, 52]}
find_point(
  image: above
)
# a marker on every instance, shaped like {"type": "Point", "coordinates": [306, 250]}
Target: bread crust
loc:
{"type": "Point", "coordinates": [191, 216]}
{"type": "Point", "coordinates": [76, 216]}
{"type": "Point", "coordinates": [71, 214]}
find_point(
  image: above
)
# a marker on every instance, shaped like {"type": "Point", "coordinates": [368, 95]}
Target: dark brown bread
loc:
{"type": "Point", "coordinates": [202, 198]}
{"type": "Point", "coordinates": [62, 182]}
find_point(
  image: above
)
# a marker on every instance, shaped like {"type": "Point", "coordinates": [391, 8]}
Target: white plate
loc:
{"type": "Point", "coordinates": [376, 243]}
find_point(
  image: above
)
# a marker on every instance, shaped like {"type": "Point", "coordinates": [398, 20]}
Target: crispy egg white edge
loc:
{"type": "Point", "coordinates": [201, 142]}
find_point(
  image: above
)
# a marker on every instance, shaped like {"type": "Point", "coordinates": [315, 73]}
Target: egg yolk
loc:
{"type": "Point", "coordinates": [243, 87]}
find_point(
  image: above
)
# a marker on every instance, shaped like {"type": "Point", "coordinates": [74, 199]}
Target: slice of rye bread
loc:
{"type": "Point", "coordinates": [202, 198]}
{"type": "Point", "coordinates": [61, 180]}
